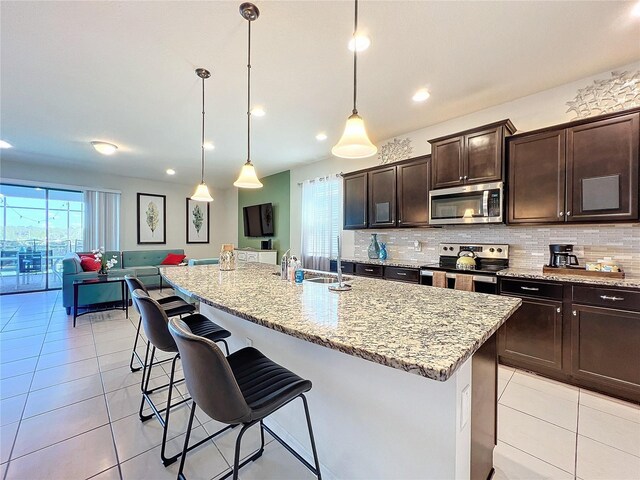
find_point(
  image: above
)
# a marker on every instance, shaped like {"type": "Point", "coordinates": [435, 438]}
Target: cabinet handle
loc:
{"type": "Point", "coordinates": [568, 213]}
{"type": "Point", "coordinates": [533, 289]}
{"type": "Point", "coordinates": [368, 269]}
{"type": "Point", "coordinates": [561, 214]}
{"type": "Point", "coordinates": [465, 177]}
{"type": "Point", "coordinates": [613, 299]}
{"type": "Point", "coordinates": [558, 309]}
{"type": "Point", "coordinates": [460, 178]}
{"type": "Point", "coordinates": [575, 314]}
{"type": "Point", "coordinates": [402, 273]}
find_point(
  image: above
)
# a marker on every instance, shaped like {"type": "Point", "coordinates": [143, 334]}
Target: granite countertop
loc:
{"type": "Point", "coordinates": [423, 330]}
{"type": "Point", "coordinates": [388, 263]}
{"type": "Point", "coordinates": [537, 274]}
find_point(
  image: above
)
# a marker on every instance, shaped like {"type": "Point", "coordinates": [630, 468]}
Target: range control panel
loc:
{"type": "Point", "coordinates": [481, 250]}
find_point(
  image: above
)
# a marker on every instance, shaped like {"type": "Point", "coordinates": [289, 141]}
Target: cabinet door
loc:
{"type": "Point", "coordinates": [536, 189]}
{"type": "Point", "coordinates": [382, 197]}
{"type": "Point", "coordinates": [483, 156]}
{"type": "Point", "coordinates": [533, 335]}
{"type": "Point", "coordinates": [446, 163]}
{"type": "Point", "coordinates": [602, 170]}
{"type": "Point", "coordinates": [604, 347]}
{"type": "Point", "coordinates": [413, 193]}
{"type": "Point", "coordinates": [355, 201]}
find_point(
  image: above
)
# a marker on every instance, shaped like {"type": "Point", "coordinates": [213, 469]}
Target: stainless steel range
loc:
{"type": "Point", "coordinates": [482, 261]}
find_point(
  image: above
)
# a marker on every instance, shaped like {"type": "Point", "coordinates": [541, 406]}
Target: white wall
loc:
{"type": "Point", "coordinates": [539, 110]}
{"type": "Point", "coordinates": [223, 210]}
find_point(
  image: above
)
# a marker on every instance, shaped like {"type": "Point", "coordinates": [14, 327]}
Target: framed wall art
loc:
{"type": "Point", "coordinates": [197, 221]}
{"type": "Point", "coordinates": [152, 214]}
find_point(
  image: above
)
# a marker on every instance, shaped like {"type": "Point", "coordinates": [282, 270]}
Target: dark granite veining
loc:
{"type": "Point", "coordinates": [423, 330]}
{"type": "Point", "coordinates": [633, 282]}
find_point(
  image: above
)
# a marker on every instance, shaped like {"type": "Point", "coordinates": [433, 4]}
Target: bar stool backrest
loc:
{"type": "Point", "coordinates": [209, 377]}
{"type": "Point", "coordinates": [154, 322]}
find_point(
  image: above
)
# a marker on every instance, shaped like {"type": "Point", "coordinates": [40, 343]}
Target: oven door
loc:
{"type": "Point", "coordinates": [469, 204]}
{"type": "Point", "coordinates": [481, 283]}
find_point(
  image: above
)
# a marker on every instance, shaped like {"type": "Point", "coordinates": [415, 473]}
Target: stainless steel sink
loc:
{"type": "Point", "coordinates": [325, 279]}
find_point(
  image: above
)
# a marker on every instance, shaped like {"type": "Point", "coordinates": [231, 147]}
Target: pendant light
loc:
{"type": "Point", "coordinates": [202, 192]}
{"type": "Point", "coordinates": [355, 142]}
{"type": "Point", "coordinates": [248, 177]}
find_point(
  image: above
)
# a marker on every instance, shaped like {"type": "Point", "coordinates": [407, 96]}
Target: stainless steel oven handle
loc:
{"type": "Point", "coordinates": [613, 299]}
{"type": "Point", "coordinates": [476, 278]}
{"type": "Point", "coordinates": [533, 289]}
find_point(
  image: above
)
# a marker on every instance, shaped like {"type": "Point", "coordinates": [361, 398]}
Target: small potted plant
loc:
{"type": "Point", "coordinates": [105, 265]}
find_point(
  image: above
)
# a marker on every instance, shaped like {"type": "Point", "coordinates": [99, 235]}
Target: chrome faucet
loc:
{"type": "Point", "coordinates": [284, 266]}
{"type": "Point", "coordinates": [339, 265]}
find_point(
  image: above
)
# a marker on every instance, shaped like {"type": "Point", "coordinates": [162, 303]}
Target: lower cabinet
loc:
{"type": "Point", "coordinates": [606, 347]}
{"type": "Point", "coordinates": [533, 335]}
{"type": "Point", "coordinates": [588, 336]}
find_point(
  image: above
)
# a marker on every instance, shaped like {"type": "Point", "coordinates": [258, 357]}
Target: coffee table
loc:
{"type": "Point", "coordinates": [96, 281]}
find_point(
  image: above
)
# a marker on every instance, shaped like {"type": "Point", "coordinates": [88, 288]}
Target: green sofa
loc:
{"type": "Point", "coordinates": [140, 263]}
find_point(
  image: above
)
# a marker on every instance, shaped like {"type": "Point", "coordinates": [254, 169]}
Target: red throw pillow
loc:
{"type": "Point", "coordinates": [89, 263]}
{"type": "Point", "coordinates": [173, 259]}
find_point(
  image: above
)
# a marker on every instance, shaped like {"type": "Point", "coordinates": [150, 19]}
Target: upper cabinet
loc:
{"type": "Point", "coordinates": [472, 156]}
{"type": "Point", "coordinates": [394, 195]}
{"type": "Point", "coordinates": [585, 171]}
{"type": "Point", "coordinates": [413, 192]}
{"type": "Point", "coordinates": [382, 197]}
{"type": "Point", "coordinates": [355, 200]}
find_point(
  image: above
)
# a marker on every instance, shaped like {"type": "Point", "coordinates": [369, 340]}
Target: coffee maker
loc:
{"type": "Point", "coordinates": [562, 256]}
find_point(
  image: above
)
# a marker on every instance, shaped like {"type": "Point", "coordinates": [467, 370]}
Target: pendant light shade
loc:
{"type": "Point", "coordinates": [354, 142]}
{"type": "Point", "coordinates": [202, 192]}
{"type": "Point", "coordinates": [248, 177]}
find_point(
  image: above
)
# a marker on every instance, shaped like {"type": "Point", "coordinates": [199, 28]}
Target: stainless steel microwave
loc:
{"type": "Point", "coordinates": [482, 203]}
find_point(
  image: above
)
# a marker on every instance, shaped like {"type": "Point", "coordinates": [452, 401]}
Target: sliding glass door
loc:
{"type": "Point", "coordinates": [39, 226]}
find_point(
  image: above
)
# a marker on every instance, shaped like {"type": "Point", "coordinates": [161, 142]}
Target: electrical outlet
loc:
{"type": "Point", "coordinates": [417, 246]}
{"type": "Point", "coordinates": [248, 341]}
{"type": "Point", "coordinates": [465, 406]}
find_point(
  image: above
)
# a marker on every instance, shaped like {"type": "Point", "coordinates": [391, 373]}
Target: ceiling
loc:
{"type": "Point", "coordinates": [123, 72]}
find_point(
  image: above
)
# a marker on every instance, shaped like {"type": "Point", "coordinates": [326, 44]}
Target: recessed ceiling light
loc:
{"type": "Point", "coordinates": [258, 112]}
{"type": "Point", "coordinates": [171, 171]}
{"type": "Point", "coordinates": [361, 43]}
{"type": "Point", "coordinates": [104, 148]}
{"type": "Point", "coordinates": [4, 144]}
{"type": "Point", "coordinates": [321, 137]}
{"type": "Point", "coordinates": [209, 146]}
{"type": "Point", "coordinates": [421, 95]}
{"type": "Point", "coordinates": [636, 10]}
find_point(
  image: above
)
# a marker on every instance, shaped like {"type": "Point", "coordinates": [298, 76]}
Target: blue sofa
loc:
{"type": "Point", "coordinates": [140, 263]}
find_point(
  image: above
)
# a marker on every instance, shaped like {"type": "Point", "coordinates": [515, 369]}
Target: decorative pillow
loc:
{"type": "Point", "coordinates": [173, 259]}
{"type": "Point", "coordinates": [89, 263]}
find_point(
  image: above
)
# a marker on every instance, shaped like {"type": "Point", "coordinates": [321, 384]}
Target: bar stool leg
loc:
{"type": "Point", "coordinates": [313, 442]}
{"type": "Point", "coordinates": [135, 344]}
{"type": "Point", "coordinates": [168, 461]}
{"type": "Point", "coordinates": [186, 442]}
{"type": "Point", "coordinates": [145, 389]}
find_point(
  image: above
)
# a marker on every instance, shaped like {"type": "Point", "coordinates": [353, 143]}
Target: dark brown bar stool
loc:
{"type": "Point", "coordinates": [244, 387]}
{"type": "Point", "coordinates": [154, 323]}
{"type": "Point", "coordinates": [172, 305]}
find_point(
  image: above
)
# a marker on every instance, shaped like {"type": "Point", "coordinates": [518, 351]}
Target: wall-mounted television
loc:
{"type": "Point", "coordinates": [258, 220]}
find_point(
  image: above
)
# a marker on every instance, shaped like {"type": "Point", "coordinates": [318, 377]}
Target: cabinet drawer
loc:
{"type": "Point", "coordinates": [242, 256]}
{"type": "Point", "coordinates": [531, 288]}
{"type": "Point", "coordinates": [402, 274]}
{"type": "Point", "coordinates": [607, 297]}
{"type": "Point", "coordinates": [252, 256]}
{"type": "Point", "coordinates": [369, 270]}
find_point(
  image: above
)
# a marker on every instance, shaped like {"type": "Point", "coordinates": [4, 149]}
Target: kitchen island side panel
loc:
{"type": "Point", "coordinates": [369, 420]}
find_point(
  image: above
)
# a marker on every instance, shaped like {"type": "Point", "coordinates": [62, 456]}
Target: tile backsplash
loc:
{"type": "Point", "coordinates": [528, 246]}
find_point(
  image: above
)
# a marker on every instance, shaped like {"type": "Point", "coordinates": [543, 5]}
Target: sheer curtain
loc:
{"type": "Point", "coordinates": [101, 220]}
{"type": "Point", "coordinates": [321, 220]}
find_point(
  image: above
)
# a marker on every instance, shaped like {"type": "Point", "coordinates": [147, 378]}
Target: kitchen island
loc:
{"type": "Point", "coordinates": [431, 415]}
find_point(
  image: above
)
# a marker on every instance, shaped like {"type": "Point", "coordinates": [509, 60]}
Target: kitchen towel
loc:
{"type": "Point", "coordinates": [464, 282]}
{"type": "Point", "coordinates": [440, 279]}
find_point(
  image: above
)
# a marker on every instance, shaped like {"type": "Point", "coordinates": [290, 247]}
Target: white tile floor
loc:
{"type": "Point", "coordinates": [68, 410]}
